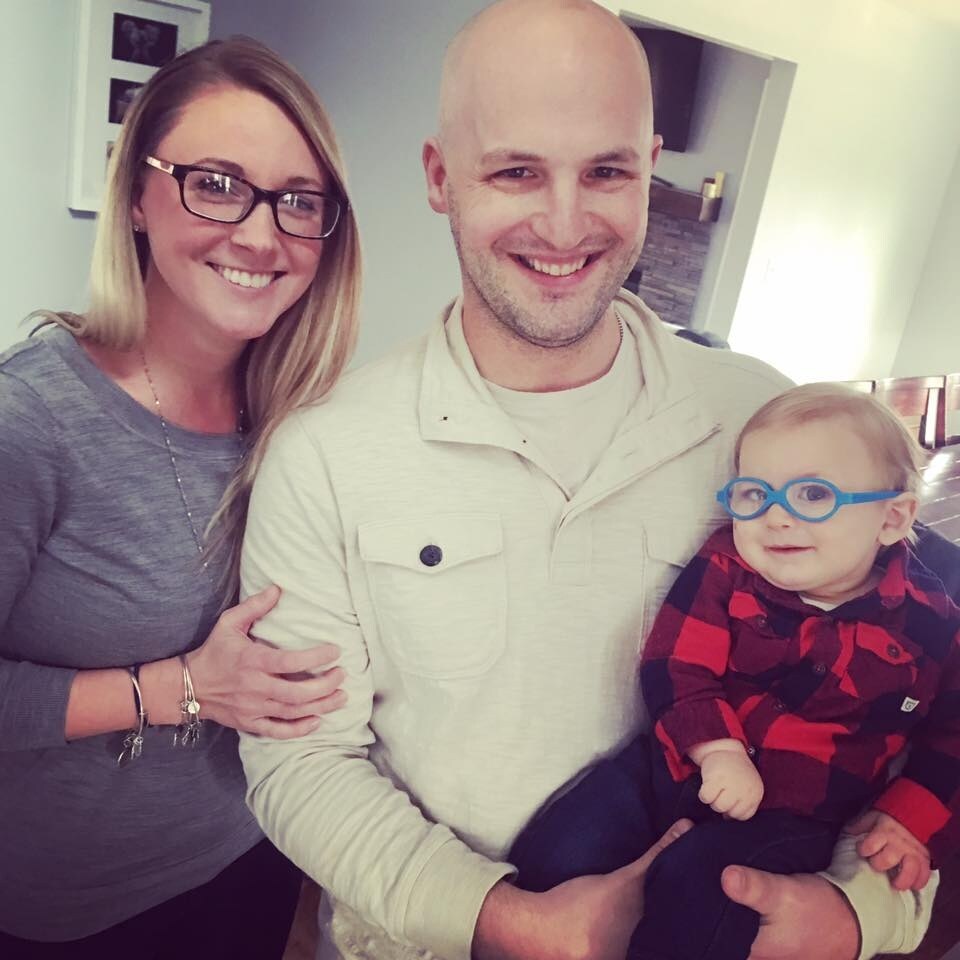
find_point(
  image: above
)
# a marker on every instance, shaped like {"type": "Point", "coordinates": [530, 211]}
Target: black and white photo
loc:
{"type": "Point", "coordinates": [120, 44]}
{"type": "Point", "coordinates": [122, 93]}
{"type": "Point", "coordinates": [139, 40]}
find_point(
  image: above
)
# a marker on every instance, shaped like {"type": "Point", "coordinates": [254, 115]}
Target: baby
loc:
{"type": "Point", "coordinates": [793, 660]}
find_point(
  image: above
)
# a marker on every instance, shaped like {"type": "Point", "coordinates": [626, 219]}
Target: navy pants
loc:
{"type": "Point", "coordinates": [614, 811]}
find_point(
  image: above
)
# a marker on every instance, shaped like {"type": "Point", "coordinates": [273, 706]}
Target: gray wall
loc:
{"type": "Point", "coordinates": [44, 250]}
{"type": "Point", "coordinates": [376, 69]}
{"type": "Point", "coordinates": [863, 157]}
{"type": "Point", "coordinates": [376, 66]}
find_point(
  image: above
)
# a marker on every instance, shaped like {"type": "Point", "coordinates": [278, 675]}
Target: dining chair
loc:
{"type": "Point", "coordinates": [951, 405]}
{"type": "Point", "coordinates": [861, 386]}
{"type": "Point", "coordinates": [919, 402]}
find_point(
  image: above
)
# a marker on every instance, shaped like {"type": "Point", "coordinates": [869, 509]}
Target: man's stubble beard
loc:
{"type": "Point", "coordinates": [539, 328]}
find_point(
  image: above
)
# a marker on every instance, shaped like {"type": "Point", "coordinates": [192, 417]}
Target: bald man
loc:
{"type": "Point", "coordinates": [486, 520]}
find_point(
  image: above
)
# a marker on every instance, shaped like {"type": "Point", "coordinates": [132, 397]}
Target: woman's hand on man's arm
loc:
{"type": "Point", "coordinates": [255, 688]}
{"type": "Point", "coordinates": [238, 683]}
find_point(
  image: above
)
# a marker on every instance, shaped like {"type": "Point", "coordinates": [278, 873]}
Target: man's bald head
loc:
{"type": "Point", "coordinates": [514, 40]}
{"type": "Point", "coordinates": [543, 166]}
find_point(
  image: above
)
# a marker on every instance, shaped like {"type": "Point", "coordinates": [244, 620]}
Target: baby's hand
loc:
{"type": "Point", "coordinates": [731, 783]}
{"type": "Point", "coordinates": [889, 847]}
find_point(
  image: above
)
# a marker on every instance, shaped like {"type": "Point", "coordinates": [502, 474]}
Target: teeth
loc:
{"type": "Point", "coordinates": [555, 269]}
{"type": "Point", "coordinates": [243, 279]}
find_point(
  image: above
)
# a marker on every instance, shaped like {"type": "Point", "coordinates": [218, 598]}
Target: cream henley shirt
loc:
{"type": "Point", "coordinates": [490, 623]}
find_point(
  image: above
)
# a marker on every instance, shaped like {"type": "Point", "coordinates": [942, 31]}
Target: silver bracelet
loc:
{"type": "Point", "coordinates": [133, 741]}
{"type": "Point", "coordinates": [187, 733]}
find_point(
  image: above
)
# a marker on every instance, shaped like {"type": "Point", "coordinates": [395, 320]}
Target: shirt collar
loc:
{"type": "Point", "coordinates": [456, 404]}
{"type": "Point", "coordinates": [903, 576]}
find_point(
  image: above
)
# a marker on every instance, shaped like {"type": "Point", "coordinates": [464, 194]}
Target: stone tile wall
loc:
{"type": "Point", "coordinates": [672, 264]}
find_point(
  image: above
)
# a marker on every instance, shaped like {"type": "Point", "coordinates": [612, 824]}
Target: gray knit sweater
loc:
{"type": "Point", "coordinates": [98, 568]}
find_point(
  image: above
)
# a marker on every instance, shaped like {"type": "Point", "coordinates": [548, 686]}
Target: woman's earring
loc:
{"type": "Point", "coordinates": [137, 228]}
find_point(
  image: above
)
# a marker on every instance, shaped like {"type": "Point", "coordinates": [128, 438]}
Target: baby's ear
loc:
{"type": "Point", "coordinates": [899, 517]}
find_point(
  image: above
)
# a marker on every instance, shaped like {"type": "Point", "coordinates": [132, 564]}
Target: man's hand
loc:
{"type": "Point", "coordinates": [588, 918]}
{"type": "Point", "coordinates": [731, 783]}
{"type": "Point", "coordinates": [889, 847]}
{"type": "Point", "coordinates": [802, 917]}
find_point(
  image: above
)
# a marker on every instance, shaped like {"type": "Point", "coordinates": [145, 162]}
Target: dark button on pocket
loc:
{"type": "Point", "coordinates": [431, 555]}
{"type": "Point", "coordinates": [751, 751]}
{"type": "Point", "coordinates": [819, 669]}
{"type": "Point", "coordinates": [762, 623]}
{"type": "Point", "coordinates": [893, 651]}
{"type": "Point", "coordinates": [779, 706]}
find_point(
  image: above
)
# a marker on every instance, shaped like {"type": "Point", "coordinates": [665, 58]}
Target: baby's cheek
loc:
{"type": "Point", "coordinates": [743, 541]}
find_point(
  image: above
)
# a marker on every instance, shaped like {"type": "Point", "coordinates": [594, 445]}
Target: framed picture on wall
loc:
{"type": "Point", "coordinates": [120, 44]}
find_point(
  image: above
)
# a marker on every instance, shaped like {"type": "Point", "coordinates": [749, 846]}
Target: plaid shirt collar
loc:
{"type": "Point", "coordinates": [903, 576]}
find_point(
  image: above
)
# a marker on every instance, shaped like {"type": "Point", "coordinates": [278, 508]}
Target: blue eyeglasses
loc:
{"type": "Point", "coordinates": [807, 498]}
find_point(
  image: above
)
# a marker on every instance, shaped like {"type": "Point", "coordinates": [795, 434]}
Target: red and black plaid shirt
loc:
{"type": "Point", "coordinates": [822, 700]}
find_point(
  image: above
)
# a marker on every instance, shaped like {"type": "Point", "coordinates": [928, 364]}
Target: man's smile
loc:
{"type": "Point", "coordinates": [556, 270]}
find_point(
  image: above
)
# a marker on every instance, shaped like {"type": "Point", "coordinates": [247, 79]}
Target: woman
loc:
{"type": "Point", "coordinates": [223, 294]}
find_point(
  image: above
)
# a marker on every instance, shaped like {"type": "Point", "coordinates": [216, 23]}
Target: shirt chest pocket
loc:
{"type": "Point", "coordinates": [882, 669]}
{"type": "Point", "coordinates": [669, 546]}
{"type": "Point", "coordinates": [759, 641]}
{"type": "Point", "coordinates": [438, 586]}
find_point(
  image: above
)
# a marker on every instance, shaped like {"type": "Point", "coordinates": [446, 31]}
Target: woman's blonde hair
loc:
{"type": "Point", "coordinates": [895, 451]}
{"type": "Point", "coordinates": [306, 350]}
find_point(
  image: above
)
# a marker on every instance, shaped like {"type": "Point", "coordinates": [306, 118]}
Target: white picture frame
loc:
{"type": "Point", "coordinates": [120, 45]}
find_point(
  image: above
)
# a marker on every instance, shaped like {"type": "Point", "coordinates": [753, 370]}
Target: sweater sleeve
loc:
{"type": "Point", "coordinates": [925, 798]}
{"type": "Point", "coordinates": [891, 921]}
{"type": "Point", "coordinates": [33, 697]}
{"type": "Point", "coordinates": [684, 661]}
{"type": "Point", "coordinates": [319, 798]}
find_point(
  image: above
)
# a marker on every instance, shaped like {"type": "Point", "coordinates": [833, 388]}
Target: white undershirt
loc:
{"type": "Point", "coordinates": [572, 428]}
{"type": "Point", "coordinates": [826, 605]}
{"type": "Point", "coordinates": [876, 575]}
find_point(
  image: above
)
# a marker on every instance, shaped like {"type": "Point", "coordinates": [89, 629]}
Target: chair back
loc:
{"type": "Point", "coordinates": [951, 404]}
{"type": "Point", "coordinates": [918, 402]}
{"type": "Point", "coordinates": [861, 386]}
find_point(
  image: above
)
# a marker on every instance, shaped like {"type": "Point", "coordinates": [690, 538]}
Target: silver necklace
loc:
{"type": "Point", "coordinates": [173, 459]}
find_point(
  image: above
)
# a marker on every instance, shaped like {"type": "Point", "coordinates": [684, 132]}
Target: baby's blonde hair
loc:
{"type": "Point", "coordinates": [895, 451]}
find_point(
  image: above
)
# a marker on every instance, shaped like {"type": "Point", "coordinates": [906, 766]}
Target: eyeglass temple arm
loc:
{"type": "Point", "coordinates": [158, 164]}
{"type": "Point", "coordinates": [869, 497]}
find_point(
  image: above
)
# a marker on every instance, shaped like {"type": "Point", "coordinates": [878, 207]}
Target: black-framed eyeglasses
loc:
{"type": "Point", "coordinates": [227, 198]}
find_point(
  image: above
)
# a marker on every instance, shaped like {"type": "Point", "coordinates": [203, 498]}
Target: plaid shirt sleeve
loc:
{"type": "Point", "coordinates": [685, 658]}
{"type": "Point", "coordinates": [925, 798]}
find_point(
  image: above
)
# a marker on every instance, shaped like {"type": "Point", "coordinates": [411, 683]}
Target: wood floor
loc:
{"type": "Point", "coordinates": [302, 943]}
{"type": "Point", "coordinates": [941, 512]}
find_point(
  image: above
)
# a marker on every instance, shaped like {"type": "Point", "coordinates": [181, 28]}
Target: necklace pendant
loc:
{"type": "Point", "coordinates": [178, 479]}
